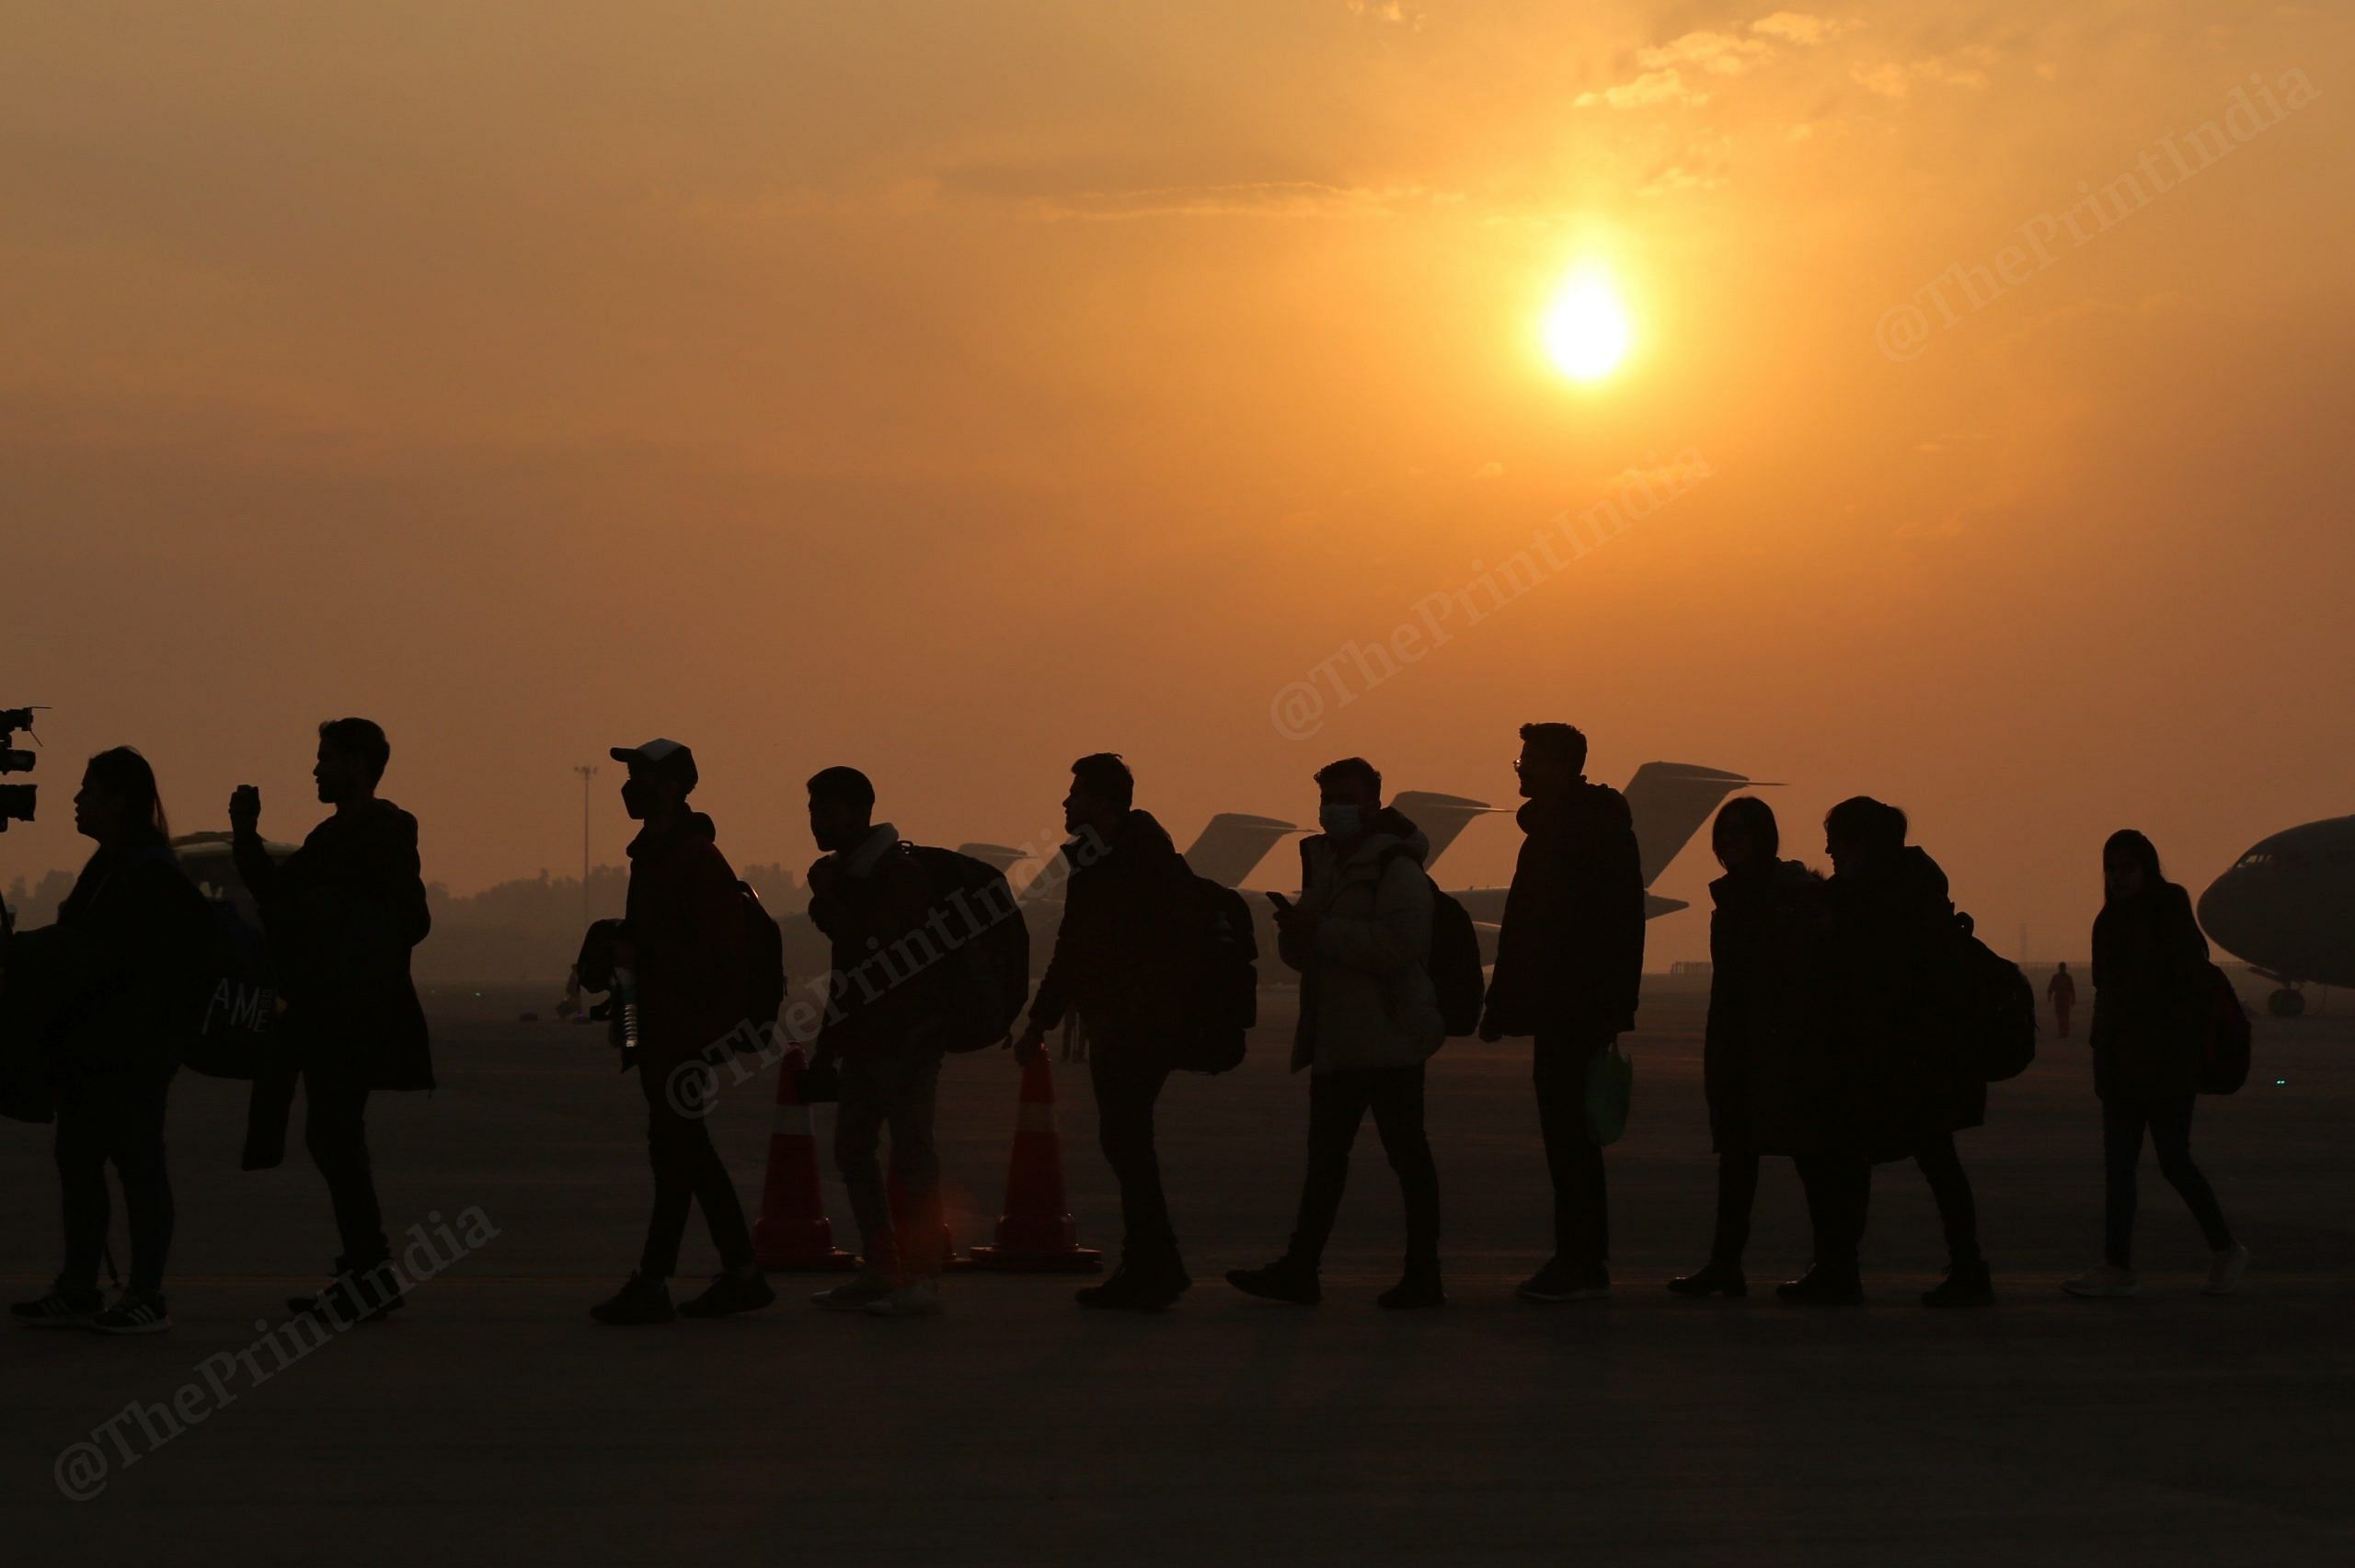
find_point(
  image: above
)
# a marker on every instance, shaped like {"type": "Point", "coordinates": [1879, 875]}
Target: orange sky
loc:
{"type": "Point", "coordinates": [951, 389]}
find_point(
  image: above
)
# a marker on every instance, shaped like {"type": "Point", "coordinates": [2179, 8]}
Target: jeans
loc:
{"type": "Point", "coordinates": [1127, 1078]}
{"type": "Point", "coordinates": [2122, 1138]}
{"type": "Point", "coordinates": [687, 1171]}
{"type": "Point", "coordinates": [116, 1118]}
{"type": "Point", "coordinates": [891, 1086]}
{"type": "Point", "coordinates": [1950, 1185]}
{"type": "Point", "coordinates": [1581, 1194]}
{"type": "Point", "coordinates": [1737, 1195]}
{"type": "Point", "coordinates": [336, 1132]}
{"type": "Point", "coordinates": [1839, 1193]}
{"type": "Point", "coordinates": [1337, 1102]}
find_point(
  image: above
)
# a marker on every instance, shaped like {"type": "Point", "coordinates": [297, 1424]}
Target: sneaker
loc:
{"type": "Point", "coordinates": [1157, 1289]}
{"type": "Point", "coordinates": [1418, 1289]}
{"type": "Point", "coordinates": [1819, 1287]}
{"type": "Point", "coordinates": [2103, 1280]}
{"type": "Point", "coordinates": [353, 1296]}
{"type": "Point", "coordinates": [135, 1311]}
{"type": "Point", "coordinates": [1152, 1286]}
{"type": "Point", "coordinates": [641, 1300]}
{"type": "Point", "coordinates": [2224, 1273]}
{"type": "Point", "coordinates": [856, 1294]}
{"type": "Point", "coordinates": [58, 1310]}
{"type": "Point", "coordinates": [1561, 1281]}
{"type": "Point", "coordinates": [1966, 1285]}
{"type": "Point", "coordinates": [918, 1299]}
{"type": "Point", "coordinates": [1282, 1280]}
{"type": "Point", "coordinates": [736, 1290]}
{"type": "Point", "coordinates": [1711, 1278]}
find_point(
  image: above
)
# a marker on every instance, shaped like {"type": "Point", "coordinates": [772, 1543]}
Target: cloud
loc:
{"type": "Point", "coordinates": [1798, 26]}
{"type": "Point", "coordinates": [1489, 470]}
{"type": "Point", "coordinates": [1255, 199]}
{"type": "Point", "coordinates": [1963, 68]}
{"type": "Point", "coordinates": [1709, 53]}
{"type": "Point", "coordinates": [1390, 11]}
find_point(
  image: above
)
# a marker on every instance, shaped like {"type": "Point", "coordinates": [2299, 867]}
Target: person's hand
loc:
{"type": "Point", "coordinates": [245, 809]}
{"type": "Point", "coordinates": [1030, 1046]}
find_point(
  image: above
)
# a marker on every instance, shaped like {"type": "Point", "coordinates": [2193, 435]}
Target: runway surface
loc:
{"type": "Point", "coordinates": [492, 1422]}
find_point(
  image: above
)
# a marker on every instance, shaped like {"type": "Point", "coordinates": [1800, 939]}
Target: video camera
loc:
{"type": "Point", "coordinates": [16, 800]}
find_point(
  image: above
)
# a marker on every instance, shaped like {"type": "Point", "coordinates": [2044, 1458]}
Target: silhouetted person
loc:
{"type": "Point", "coordinates": [116, 983]}
{"type": "Point", "coordinates": [2062, 991]}
{"type": "Point", "coordinates": [1761, 1052]}
{"type": "Point", "coordinates": [342, 913]}
{"type": "Point", "coordinates": [1118, 966]}
{"type": "Point", "coordinates": [1570, 963]}
{"type": "Point", "coordinates": [885, 1028]}
{"type": "Point", "coordinates": [1899, 1082]}
{"type": "Point", "coordinates": [1361, 937]}
{"type": "Point", "coordinates": [2151, 1011]}
{"type": "Point", "coordinates": [683, 939]}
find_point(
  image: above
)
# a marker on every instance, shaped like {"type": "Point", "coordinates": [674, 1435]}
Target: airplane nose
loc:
{"type": "Point", "coordinates": [2224, 911]}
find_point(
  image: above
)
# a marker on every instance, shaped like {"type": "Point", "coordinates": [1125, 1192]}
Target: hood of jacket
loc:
{"type": "Point", "coordinates": [1585, 808]}
{"type": "Point", "coordinates": [1762, 880]}
{"type": "Point", "coordinates": [1390, 830]}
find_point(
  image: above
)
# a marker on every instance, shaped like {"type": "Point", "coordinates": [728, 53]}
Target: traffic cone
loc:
{"type": "Point", "coordinates": [1036, 1233]}
{"type": "Point", "coordinates": [794, 1232]}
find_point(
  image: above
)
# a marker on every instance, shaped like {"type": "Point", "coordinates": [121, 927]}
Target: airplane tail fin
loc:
{"type": "Point", "coordinates": [1233, 845]}
{"type": "Point", "coordinates": [1440, 816]}
{"type": "Point", "coordinates": [1670, 801]}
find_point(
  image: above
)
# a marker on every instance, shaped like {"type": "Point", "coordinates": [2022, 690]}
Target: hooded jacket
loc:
{"type": "Point", "coordinates": [1899, 1070]}
{"type": "Point", "coordinates": [1570, 949]}
{"type": "Point", "coordinates": [2151, 998]}
{"type": "Point", "coordinates": [685, 918]}
{"type": "Point", "coordinates": [1117, 954]}
{"type": "Point", "coordinates": [1366, 998]}
{"type": "Point", "coordinates": [1761, 1054]}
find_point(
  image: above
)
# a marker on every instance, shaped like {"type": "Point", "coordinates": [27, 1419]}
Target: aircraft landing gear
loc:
{"type": "Point", "coordinates": [2287, 1002]}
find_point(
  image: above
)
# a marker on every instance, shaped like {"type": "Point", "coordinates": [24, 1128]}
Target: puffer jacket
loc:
{"type": "Point", "coordinates": [1761, 1054]}
{"type": "Point", "coordinates": [1570, 950]}
{"type": "Point", "coordinates": [1366, 998]}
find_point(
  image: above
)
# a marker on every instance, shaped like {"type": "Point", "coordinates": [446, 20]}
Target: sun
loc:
{"type": "Point", "coordinates": [1586, 329]}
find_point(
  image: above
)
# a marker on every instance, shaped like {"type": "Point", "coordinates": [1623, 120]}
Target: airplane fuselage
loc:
{"type": "Point", "coordinates": [2288, 905]}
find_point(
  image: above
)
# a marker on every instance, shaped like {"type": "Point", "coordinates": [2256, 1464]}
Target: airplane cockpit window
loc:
{"type": "Point", "coordinates": [2256, 857]}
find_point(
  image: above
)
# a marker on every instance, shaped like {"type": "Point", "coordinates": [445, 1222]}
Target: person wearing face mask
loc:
{"type": "Point", "coordinates": [1360, 938]}
{"type": "Point", "coordinates": [119, 982]}
{"type": "Point", "coordinates": [2151, 1006]}
{"type": "Point", "coordinates": [342, 913]}
{"type": "Point", "coordinates": [1570, 963]}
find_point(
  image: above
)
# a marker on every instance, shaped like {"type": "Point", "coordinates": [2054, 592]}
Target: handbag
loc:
{"type": "Point", "coordinates": [1610, 1082]}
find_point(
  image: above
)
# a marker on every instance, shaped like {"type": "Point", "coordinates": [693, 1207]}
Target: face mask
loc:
{"type": "Point", "coordinates": [1341, 822]}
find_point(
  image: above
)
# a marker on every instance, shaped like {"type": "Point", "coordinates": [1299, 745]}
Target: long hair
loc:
{"type": "Point", "coordinates": [2128, 845]}
{"type": "Point", "coordinates": [1753, 817]}
{"type": "Point", "coordinates": [122, 769]}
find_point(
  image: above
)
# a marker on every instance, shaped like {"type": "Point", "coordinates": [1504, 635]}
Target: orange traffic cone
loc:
{"type": "Point", "coordinates": [794, 1232]}
{"type": "Point", "coordinates": [1036, 1233]}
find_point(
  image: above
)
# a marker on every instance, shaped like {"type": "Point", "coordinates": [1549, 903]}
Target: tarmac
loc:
{"type": "Point", "coordinates": [492, 1422]}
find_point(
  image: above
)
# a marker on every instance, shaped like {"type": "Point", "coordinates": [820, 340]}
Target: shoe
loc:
{"type": "Point", "coordinates": [856, 1294]}
{"type": "Point", "coordinates": [918, 1299]}
{"type": "Point", "coordinates": [1133, 1287]}
{"type": "Point", "coordinates": [1712, 1278]}
{"type": "Point", "coordinates": [60, 1309]}
{"type": "Point", "coordinates": [1418, 1289]}
{"type": "Point", "coordinates": [1966, 1285]}
{"type": "Point", "coordinates": [1819, 1287]}
{"type": "Point", "coordinates": [1561, 1281]}
{"type": "Point", "coordinates": [736, 1290]}
{"type": "Point", "coordinates": [2224, 1273]}
{"type": "Point", "coordinates": [135, 1311]}
{"type": "Point", "coordinates": [2102, 1279]}
{"type": "Point", "coordinates": [1157, 1289]}
{"type": "Point", "coordinates": [1282, 1280]}
{"type": "Point", "coordinates": [641, 1301]}
{"type": "Point", "coordinates": [1115, 1294]}
{"type": "Point", "coordinates": [353, 1296]}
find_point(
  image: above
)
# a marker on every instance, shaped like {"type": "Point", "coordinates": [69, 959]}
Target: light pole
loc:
{"type": "Point", "coordinates": [587, 770]}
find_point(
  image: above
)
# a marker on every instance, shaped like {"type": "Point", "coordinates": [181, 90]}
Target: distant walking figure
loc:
{"type": "Point", "coordinates": [1899, 1082]}
{"type": "Point", "coordinates": [1761, 1050]}
{"type": "Point", "coordinates": [1360, 938]}
{"type": "Point", "coordinates": [115, 985]}
{"type": "Point", "coordinates": [342, 913]}
{"type": "Point", "coordinates": [1117, 970]}
{"type": "Point", "coordinates": [1569, 962]}
{"type": "Point", "coordinates": [2150, 1015]}
{"type": "Point", "coordinates": [2062, 991]}
{"type": "Point", "coordinates": [683, 943]}
{"type": "Point", "coordinates": [886, 1028]}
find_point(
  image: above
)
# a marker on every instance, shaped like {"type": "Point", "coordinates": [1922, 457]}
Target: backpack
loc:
{"type": "Point", "coordinates": [2224, 1044]}
{"type": "Point", "coordinates": [1220, 998]}
{"type": "Point", "coordinates": [985, 977]}
{"type": "Point", "coordinates": [764, 969]}
{"type": "Point", "coordinates": [1453, 962]}
{"type": "Point", "coordinates": [1995, 1013]}
{"type": "Point", "coordinates": [239, 999]}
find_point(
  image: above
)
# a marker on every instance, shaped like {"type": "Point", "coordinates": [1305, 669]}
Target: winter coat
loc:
{"type": "Point", "coordinates": [1899, 1073]}
{"type": "Point", "coordinates": [869, 900]}
{"type": "Point", "coordinates": [121, 975]}
{"type": "Point", "coordinates": [685, 918]}
{"type": "Point", "coordinates": [1571, 948]}
{"type": "Point", "coordinates": [2151, 998]}
{"type": "Point", "coordinates": [1366, 998]}
{"type": "Point", "coordinates": [1763, 1054]}
{"type": "Point", "coordinates": [342, 913]}
{"type": "Point", "coordinates": [1119, 955]}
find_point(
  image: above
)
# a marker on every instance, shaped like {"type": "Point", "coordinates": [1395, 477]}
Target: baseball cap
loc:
{"type": "Point", "coordinates": [661, 756]}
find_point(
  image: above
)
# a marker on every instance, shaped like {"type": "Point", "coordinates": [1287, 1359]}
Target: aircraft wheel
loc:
{"type": "Point", "coordinates": [2286, 1004]}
